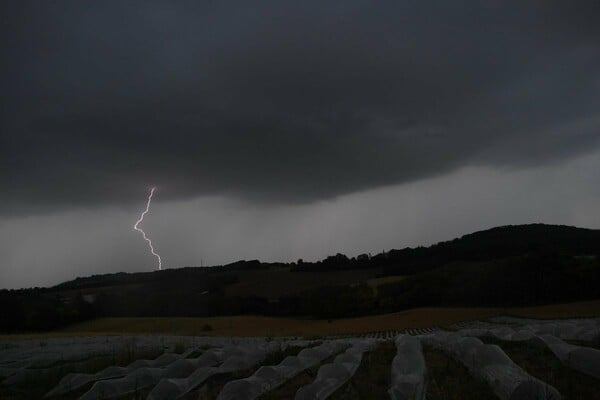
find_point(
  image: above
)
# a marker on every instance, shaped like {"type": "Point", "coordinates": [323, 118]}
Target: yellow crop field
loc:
{"type": "Point", "coordinates": [248, 325]}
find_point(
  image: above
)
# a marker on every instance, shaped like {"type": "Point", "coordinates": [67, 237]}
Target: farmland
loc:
{"type": "Point", "coordinates": [247, 325]}
{"type": "Point", "coordinates": [487, 357]}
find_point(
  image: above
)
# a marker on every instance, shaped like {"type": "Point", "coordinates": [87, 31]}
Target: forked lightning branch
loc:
{"type": "Point", "coordinates": [146, 238]}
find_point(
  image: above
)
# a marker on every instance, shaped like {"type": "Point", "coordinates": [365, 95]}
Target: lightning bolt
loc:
{"type": "Point", "coordinates": [146, 238]}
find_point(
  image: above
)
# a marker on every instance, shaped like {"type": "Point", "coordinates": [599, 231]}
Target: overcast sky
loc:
{"type": "Point", "coordinates": [284, 130]}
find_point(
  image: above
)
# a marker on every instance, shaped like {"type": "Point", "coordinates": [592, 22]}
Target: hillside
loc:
{"type": "Point", "coordinates": [505, 266]}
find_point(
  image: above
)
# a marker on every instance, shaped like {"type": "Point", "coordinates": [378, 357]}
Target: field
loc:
{"type": "Point", "coordinates": [484, 358]}
{"type": "Point", "coordinates": [276, 282]}
{"type": "Point", "coordinates": [268, 326]}
{"type": "Point", "coordinates": [541, 363]}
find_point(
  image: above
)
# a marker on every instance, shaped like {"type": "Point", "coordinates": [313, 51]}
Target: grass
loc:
{"type": "Point", "coordinates": [450, 380]}
{"type": "Point", "coordinates": [376, 282]}
{"type": "Point", "coordinates": [277, 282]}
{"type": "Point", "coordinates": [541, 363]}
{"type": "Point", "coordinates": [372, 379]}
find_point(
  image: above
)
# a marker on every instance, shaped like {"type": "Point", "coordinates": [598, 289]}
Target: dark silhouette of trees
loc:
{"type": "Point", "coordinates": [505, 266]}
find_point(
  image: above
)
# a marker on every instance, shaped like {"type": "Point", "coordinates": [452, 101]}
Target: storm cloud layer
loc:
{"type": "Point", "coordinates": [211, 230]}
{"type": "Point", "coordinates": [284, 103]}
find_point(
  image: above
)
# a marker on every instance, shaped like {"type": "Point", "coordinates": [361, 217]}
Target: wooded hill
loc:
{"type": "Point", "coordinates": [509, 265]}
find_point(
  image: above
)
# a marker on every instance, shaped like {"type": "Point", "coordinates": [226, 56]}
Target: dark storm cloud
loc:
{"type": "Point", "coordinates": [279, 102]}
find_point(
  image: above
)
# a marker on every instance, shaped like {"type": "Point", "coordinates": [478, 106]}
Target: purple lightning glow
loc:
{"type": "Point", "coordinates": [146, 238]}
